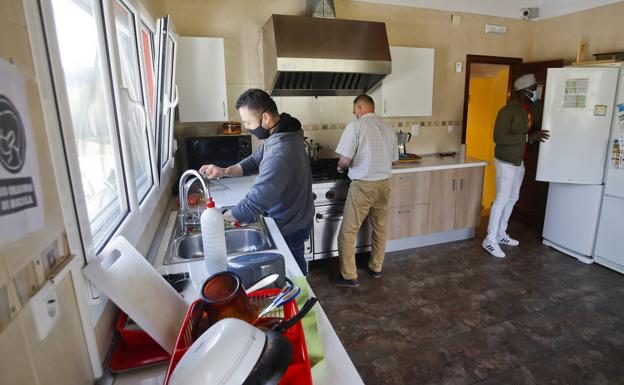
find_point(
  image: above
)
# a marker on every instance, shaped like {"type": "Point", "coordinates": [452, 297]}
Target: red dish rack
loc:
{"type": "Point", "coordinates": [298, 372]}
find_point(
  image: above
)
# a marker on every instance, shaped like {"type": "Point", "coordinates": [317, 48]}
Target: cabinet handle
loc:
{"type": "Point", "coordinates": [461, 184]}
{"type": "Point", "coordinates": [453, 184]}
{"type": "Point", "coordinates": [404, 211]}
{"type": "Point", "coordinates": [385, 106]}
{"type": "Point", "coordinates": [223, 103]}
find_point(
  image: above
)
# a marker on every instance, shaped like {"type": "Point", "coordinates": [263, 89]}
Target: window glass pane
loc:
{"type": "Point", "coordinates": [81, 61]}
{"type": "Point", "coordinates": [148, 58]}
{"type": "Point", "coordinates": [168, 83]}
{"type": "Point", "coordinates": [130, 79]}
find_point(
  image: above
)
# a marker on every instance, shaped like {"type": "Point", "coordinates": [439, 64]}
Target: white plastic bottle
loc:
{"type": "Point", "coordinates": [213, 239]}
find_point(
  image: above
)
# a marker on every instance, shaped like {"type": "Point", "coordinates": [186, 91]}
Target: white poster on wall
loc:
{"type": "Point", "coordinates": [21, 203]}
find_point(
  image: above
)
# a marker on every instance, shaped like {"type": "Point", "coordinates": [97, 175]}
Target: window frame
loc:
{"type": "Point", "coordinates": [137, 214]}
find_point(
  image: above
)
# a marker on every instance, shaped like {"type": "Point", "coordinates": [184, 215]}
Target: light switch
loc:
{"type": "Point", "coordinates": [458, 66]}
{"type": "Point", "coordinates": [451, 128]}
{"type": "Point", "coordinates": [415, 129]}
{"type": "Point", "coordinates": [45, 310]}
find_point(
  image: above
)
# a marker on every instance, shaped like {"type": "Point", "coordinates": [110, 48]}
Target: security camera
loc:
{"type": "Point", "coordinates": [529, 13]}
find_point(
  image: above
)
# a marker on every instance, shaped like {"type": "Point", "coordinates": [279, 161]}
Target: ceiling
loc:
{"type": "Point", "coordinates": [502, 8]}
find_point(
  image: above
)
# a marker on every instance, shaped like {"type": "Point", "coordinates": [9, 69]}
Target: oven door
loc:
{"type": "Point", "coordinates": [327, 223]}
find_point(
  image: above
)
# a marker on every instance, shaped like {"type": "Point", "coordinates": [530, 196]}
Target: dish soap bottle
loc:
{"type": "Point", "coordinates": [213, 238]}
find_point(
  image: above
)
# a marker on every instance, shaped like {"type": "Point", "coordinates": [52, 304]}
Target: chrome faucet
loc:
{"type": "Point", "coordinates": [185, 216]}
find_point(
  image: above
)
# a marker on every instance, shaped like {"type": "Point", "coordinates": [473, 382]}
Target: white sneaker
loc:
{"type": "Point", "coordinates": [493, 248]}
{"type": "Point", "coordinates": [507, 240]}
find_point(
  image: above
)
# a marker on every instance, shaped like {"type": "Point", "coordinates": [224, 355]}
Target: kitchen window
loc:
{"type": "Point", "coordinates": [95, 134]}
{"type": "Point", "coordinates": [105, 75]}
{"type": "Point", "coordinates": [135, 116]}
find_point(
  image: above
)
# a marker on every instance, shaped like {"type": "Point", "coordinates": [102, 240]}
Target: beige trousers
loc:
{"type": "Point", "coordinates": [365, 198]}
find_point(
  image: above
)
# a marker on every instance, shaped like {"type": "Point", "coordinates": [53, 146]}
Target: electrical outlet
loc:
{"type": "Point", "coordinates": [458, 66]}
{"type": "Point", "coordinates": [415, 129]}
{"type": "Point", "coordinates": [45, 310]}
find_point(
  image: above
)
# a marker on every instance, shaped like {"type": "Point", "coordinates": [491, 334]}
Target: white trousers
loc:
{"type": "Point", "coordinates": [508, 181]}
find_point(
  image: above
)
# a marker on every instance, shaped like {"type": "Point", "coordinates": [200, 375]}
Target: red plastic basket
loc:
{"type": "Point", "coordinates": [298, 372]}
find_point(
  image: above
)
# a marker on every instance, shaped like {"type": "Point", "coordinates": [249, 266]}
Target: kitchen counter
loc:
{"type": "Point", "coordinates": [434, 162]}
{"type": "Point", "coordinates": [336, 368]}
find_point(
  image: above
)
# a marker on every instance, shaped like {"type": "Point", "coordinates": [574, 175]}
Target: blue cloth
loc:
{"type": "Point", "coordinates": [295, 244]}
{"type": "Point", "coordinates": [283, 187]}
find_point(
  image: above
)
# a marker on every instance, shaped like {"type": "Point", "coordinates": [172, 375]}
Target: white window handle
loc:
{"type": "Point", "coordinates": [174, 103]}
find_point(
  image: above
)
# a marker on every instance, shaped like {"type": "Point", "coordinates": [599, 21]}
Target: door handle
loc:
{"type": "Point", "coordinates": [461, 184]}
{"type": "Point", "coordinates": [453, 184]}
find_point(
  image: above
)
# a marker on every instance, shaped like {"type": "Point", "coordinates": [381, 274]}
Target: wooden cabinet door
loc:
{"type": "Point", "coordinates": [442, 195]}
{"type": "Point", "coordinates": [469, 197]}
{"type": "Point", "coordinates": [407, 221]}
{"type": "Point", "coordinates": [409, 188]}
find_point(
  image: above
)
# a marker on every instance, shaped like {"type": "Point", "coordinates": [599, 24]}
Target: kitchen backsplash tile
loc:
{"type": "Point", "coordinates": [324, 110]}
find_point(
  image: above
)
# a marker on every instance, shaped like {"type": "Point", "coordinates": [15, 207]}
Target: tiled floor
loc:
{"type": "Point", "coordinates": [451, 314]}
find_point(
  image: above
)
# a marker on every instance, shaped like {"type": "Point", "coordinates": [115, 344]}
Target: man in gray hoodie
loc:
{"type": "Point", "coordinates": [283, 187]}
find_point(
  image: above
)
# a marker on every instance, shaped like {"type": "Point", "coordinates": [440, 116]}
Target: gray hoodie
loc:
{"type": "Point", "coordinates": [283, 187]}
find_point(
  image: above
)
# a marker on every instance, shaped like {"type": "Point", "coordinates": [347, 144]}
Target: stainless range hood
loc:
{"type": "Point", "coordinates": [310, 56]}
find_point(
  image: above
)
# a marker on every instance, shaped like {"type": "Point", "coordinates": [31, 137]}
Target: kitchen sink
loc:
{"type": "Point", "coordinates": [238, 241]}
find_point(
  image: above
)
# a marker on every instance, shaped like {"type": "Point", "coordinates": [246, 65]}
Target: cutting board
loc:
{"type": "Point", "coordinates": [125, 276]}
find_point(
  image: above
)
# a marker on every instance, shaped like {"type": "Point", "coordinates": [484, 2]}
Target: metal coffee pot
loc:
{"type": "Point", "coordinates": [402, 139]}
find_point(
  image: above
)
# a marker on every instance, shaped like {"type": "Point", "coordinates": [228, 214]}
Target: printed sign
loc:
{"type": "Point", "coordinates": [21, 210]}
{"type": "Point", "coordinates": [575, 93]}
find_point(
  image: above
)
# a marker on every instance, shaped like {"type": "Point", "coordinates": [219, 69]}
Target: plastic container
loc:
{"type": "Point", "coordinates": [213, 238]}
{"type": "Point", "coordinates": [298, 373]}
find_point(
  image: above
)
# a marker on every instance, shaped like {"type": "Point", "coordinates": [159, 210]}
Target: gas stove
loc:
{"type": "Point", "coordinates": [328, 185]}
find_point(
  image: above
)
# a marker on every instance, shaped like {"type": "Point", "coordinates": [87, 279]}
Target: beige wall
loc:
{"type": "Point", "coordinates": [558, 38]}
{"type": "Point", "coordinates": [239, 23]}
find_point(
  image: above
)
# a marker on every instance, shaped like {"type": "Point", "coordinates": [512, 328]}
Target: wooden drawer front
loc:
{"type": "Point", "coordinates": [407, 221]}
{"type": "Point", "coordinates": [408, 189]}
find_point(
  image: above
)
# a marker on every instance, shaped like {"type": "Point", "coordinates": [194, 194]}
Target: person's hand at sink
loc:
{"type": "Point", "coordinates": [229, 217]}
{"type": "Point", "coordinates": [212, 171]}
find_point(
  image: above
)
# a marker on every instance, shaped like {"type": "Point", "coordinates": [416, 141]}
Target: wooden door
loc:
{"type": "Point", "coordinates": [469, 192]}
{"type": "Point", "coordinates": [531, 207]}
{"type": "Point", "coordinates": [442, 195]}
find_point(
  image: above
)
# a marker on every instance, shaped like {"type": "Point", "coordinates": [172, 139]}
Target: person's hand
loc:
{"type": "Point", "coordinates": [340, 169]}
{"type": "Point", "coordinates": [228, 216]}
{"type": "Point", "coordinates": [211, 171]}
{"type": "Point", "coordinates": [540, 135]}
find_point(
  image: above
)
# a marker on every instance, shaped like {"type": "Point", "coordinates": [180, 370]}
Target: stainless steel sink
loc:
{"type": "Point", "coordinates": [238, 241]}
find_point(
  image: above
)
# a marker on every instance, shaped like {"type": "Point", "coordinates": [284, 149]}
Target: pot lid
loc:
{"type": "Point", "coordinates": [225, 355]}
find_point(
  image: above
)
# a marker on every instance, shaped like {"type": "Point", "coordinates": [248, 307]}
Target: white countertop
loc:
{"type": "Point", "coordinates": [434, 162]}
{"type": "Point", "coordinates": [336, 368]}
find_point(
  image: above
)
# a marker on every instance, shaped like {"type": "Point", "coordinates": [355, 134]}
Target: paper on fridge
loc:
{"type": "Point", "coordinates": [21, 202]}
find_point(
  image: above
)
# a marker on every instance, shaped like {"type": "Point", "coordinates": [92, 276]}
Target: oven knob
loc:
{"type": "Point", "coordinates": [313, 196]}
{"type": "Point", "coordinates": [330, 195]}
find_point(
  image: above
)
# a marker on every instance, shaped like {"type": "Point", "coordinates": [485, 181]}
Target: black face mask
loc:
{"type": "Point", "coordinates": [260, 132]}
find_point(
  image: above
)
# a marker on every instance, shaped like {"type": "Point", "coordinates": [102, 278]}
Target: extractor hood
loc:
{"type": "Point", "coordinates": [311, 56]}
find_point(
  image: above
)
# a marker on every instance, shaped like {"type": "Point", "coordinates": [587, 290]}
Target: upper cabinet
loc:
{"type": "Point", "coordinates": [201, 79]}
{"type": "Point", "coordinates": [408, 90]}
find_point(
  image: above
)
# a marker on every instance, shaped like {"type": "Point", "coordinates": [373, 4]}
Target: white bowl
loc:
{"type": "Point", "coordinates": [225, 354]}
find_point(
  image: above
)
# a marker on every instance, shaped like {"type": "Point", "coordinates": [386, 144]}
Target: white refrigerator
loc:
{"type": "Point", "coordinates": [579, 112]}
